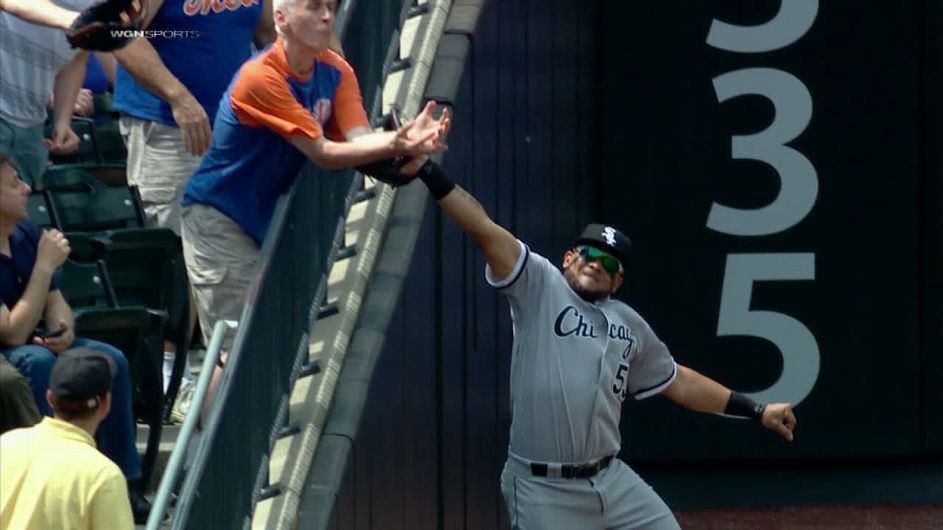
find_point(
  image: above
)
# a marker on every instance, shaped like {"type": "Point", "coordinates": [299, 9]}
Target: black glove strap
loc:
{"type": "Point", "coordinates": [435, 179]}
{"type": "Point", "coordinates": [740, 405]}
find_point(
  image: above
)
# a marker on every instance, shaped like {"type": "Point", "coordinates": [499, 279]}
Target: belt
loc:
{"type": "Point", "coordinates": [573, 470]}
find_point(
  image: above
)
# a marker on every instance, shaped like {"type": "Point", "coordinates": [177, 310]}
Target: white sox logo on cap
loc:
{"type": "Point", "coordinates": [609, 234]}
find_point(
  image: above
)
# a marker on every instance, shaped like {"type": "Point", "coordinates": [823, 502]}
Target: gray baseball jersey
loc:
{"type": "Point", "coordinates": [573, 363]}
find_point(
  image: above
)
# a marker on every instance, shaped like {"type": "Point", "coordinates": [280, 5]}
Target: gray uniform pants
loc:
{"type": "Point", "coordinates": [615, 499]}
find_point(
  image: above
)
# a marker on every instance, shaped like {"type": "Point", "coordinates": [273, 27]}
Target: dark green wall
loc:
{"type": "Point", "coordinates": [857, 220]}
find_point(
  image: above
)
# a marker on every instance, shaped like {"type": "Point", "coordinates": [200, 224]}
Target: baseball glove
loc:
{"type": "Point", "coordinates": [102, 28]}
{"type": "Point", "coordinates": [388, 170]}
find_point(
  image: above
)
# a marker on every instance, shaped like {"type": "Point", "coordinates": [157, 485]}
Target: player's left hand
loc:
{"type": "Point", "coordinates": [778, 417]}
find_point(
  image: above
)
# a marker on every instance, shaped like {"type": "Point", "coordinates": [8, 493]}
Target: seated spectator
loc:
{"type": "Point", "coordinates": [28, 294]}
{"type": "Point", "coordinates": [17, 408]}
{"type": "Point", "coordinates": [51, 475]}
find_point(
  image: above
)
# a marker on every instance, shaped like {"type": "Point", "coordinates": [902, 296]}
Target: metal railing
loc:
{"type": "Point", "coordinates": [229, 474]}
{"type": "Point", "coordinates": [179, 453]}
{"type": "Point", "coordinates": [230, 468]}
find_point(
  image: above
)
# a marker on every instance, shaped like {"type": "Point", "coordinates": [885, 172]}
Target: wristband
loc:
{"type": "Point", "coordinates": [434, 177]}
{"type": "Point", "coordinates": [744, 407]}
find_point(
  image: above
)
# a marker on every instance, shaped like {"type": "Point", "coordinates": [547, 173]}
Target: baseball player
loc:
{"type": "Point", "coordinates": [577, 354]}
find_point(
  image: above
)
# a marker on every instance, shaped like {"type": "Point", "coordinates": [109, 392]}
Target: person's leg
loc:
{"type": "Point", "coordinates": [536, 503]}
{"type": "Point", "coordinates": [221, 261]}
{"type": "Point", "coordinates": [118, 436]}
{"type": "Point", "coordinates": [159, 165]}
{"type": "Point", "coordinates": [17, 406]}
{"type": "Point", "coordinates": [630, 503]}
{"type": "Point", "coordinates": [35, 363]}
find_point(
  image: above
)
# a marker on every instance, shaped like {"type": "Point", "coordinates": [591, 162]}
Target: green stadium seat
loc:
{"type": "Point", "coordinates": [37, 207]}
{"type": "Point", "coordinates": [110, 144]}
{"type": "Point", "coordinates": [90, 206]}
{"type": "Point", "coordinates": [133, 330]}
{"type": "Point", "coordinates": [146, 268]}
{"type": "Point", "coordinates": [68, 175]}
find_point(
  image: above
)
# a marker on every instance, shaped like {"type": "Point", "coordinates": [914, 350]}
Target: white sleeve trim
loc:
{"type": "Point", "coordinates": [648, 392]}
{"type": "Point", "coordinates": [515, 272]}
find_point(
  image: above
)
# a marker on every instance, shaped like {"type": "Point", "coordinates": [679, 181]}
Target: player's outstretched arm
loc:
{"type": "Point", "coordinates": [695, 391]}
{"type": "Point", "coordinates": [500, 247]}
{"type": "Point", "coordinates": [42, 12]}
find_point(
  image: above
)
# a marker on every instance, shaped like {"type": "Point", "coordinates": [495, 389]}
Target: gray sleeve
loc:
{"type": "Point", "coordinates": [652, 368]}
{"type": "Point", "coordinates": [527, 281]}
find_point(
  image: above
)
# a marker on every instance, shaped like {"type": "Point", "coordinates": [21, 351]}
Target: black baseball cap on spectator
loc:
{"type": "Point", "coordinates": [80, 379]}
{"type": "Point", "coordinates": [607, 239]}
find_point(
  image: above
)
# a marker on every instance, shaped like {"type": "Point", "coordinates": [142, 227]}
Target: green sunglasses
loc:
{"type": "Point", "coordinates": [610, 263]}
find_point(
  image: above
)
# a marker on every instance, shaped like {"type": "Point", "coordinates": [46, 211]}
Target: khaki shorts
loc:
{"type": "Point", "coordinates": [221, 263]}
{"type": "Point", "coordinates": [160, 166]}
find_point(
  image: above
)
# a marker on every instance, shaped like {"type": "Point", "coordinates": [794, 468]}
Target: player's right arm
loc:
{"type": "Point", "coordinates": [500, 247]}
{"type": "Point", "coordinates": [41, 12]}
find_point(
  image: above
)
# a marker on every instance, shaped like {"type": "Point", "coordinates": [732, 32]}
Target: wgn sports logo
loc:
{"type": "Point", "coordinates": [154, 34]}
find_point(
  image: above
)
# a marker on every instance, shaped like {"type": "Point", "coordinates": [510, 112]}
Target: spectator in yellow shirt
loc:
{"type": "Point", "coordinates": [51, 474]}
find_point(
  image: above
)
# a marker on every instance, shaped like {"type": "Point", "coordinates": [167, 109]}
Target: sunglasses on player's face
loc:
{"type": "Point", "coordinates": [608, 262]}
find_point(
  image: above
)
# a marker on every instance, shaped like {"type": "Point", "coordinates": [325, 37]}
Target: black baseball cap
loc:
{"type": "Point", "coordinates": [80, 378]}
{"type": "Point", "coordinates": [607, 238]}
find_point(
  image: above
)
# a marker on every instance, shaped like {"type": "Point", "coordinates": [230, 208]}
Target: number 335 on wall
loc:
{"type": "Point", "coordinates": [798, 190]}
